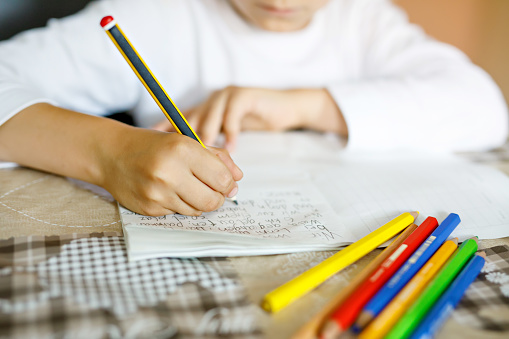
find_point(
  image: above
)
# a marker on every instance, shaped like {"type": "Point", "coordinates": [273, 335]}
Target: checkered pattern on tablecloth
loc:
{"type": "Point", "coordinates": [83, 286]}
{"type": "Point", "coordinates": [485, 305]}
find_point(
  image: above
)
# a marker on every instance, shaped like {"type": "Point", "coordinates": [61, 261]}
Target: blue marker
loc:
{"type": "Point", "coordinates": [407, 271]}
{"type": "Point", "coordinates": [439, 313]}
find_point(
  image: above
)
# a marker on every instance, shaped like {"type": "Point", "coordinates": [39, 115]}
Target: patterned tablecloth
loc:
{"type": "Point", "coordinates": [65, 272]}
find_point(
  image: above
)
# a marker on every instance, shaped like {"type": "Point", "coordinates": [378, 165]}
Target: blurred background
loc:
{"type": "Point", "coordinates": [478, 27]}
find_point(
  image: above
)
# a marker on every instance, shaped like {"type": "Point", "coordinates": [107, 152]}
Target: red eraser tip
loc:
{"type": "Point", "coordinates": [106, 20]}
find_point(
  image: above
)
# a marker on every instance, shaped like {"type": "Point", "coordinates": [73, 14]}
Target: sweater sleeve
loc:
{"type": "Point", "coordinates": [70, 63]}
{"type": "Point", "coordinates": [413, 92]}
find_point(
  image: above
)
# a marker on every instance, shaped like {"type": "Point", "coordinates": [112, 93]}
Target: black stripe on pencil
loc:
{"type": "Point", "coordinates": [150, 82]}
{"type": "Point", "coordinates": [148, 79]}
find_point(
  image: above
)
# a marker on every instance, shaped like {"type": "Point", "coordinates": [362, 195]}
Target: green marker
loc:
{"type": "Point", "coordinates": [405, 326]}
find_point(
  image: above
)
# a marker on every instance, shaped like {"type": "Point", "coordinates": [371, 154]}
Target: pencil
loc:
{"type": "Point", "coordinates": [149, 80]}
{"type": "Point", "coordinates": [448, 301]}
{"type": "Point", "coordinates": [311, 328]}
{"type": "Point", "coordinates": [412, 265]}
{"type": "Point", "coordinates": [382, 324]}
{"type": "Point", "coordinates": [438, 285]}
{"type": "Point", "coordinates": [344, 316]}
{"type": "Point", "coordinates": [302, 284]}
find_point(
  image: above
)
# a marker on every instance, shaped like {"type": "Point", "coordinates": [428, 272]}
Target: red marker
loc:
{"type": "Point", "coordinates": [345, 315]}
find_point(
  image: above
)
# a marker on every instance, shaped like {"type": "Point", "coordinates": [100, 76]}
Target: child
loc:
{"type": "Point", "coordinates": [352, 67]}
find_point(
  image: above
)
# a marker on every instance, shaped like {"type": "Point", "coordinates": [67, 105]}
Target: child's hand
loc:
{"type": "Point", "coordinates": [235, 108]}
{"type": "Point", "coordinates": [156, 173]}
{"type": "Point", "coordinates": [149, 172]}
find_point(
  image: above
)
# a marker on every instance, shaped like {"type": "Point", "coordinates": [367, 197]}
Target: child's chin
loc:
{"type": "Point", "coordinates": [281, 25]}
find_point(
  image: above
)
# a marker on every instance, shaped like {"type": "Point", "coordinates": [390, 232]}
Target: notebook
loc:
{"type": "Point", "coordinates": [303, 192]}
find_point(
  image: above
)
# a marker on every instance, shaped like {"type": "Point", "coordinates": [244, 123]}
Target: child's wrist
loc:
{"type": "Point", "coordinates": [319, 111]}
{"type": "Point", "coordinates": [111, 143]}
{"type": "Point", "coordinates": [307, 105]}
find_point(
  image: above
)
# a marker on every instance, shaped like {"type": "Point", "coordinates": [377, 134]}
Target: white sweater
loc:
{"type": "Point", "coordinates": [396, 87]}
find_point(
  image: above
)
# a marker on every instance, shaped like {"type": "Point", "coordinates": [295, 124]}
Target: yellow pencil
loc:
{"type": "Point", "coordinates": [285, 294]}
{"type": "Point", "coordinates": [383, 323]}
{"type": "Point", "coordinates": [310, 329]}
{"type": "Point", "coordinates": [148, 79]}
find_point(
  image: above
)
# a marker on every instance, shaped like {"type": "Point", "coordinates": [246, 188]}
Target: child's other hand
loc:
{"type": "Point", "coordinates": [234, 109]}
{"type": "Point", "coordinates": [156, 173]}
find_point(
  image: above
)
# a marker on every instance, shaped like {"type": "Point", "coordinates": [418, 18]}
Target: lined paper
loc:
{"type": "Point", "coordinates": [344, 195]}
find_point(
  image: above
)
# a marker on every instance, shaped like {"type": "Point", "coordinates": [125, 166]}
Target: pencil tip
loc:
{"type": "Point", "coordinates": [482, 254]}
{"type": "Point", "coordinates": [233, 200]}
{"type": "Point", "coordinates": [266, 306]}
{"type": "Point", "coordinates": [331, 330]}
{"type": "Point", "coordinates": [476, 239]}
{"type": "Point", "coordinates": [363, 320]}
{"type": "Point", "coordinates": [414, 214]}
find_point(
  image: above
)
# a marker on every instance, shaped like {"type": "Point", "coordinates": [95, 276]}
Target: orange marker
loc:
{"type": "Point", "coordinates": [382, 324]}
{"type": "Point", "coordinates": [311, 328]}
{"type": "Point", "coordinates": [345, 315]}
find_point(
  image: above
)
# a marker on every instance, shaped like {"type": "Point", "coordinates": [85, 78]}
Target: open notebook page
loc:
{"type": "Point", "coordinates": [364, 193]}
{"type": "Point", "coordinates": [277, 213]}
{"type": "Point", "coordinates": [345, 195]}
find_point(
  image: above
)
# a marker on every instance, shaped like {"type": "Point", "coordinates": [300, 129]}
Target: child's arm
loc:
{"type": "Point", "coordinates": [396, 88]}
{"type": "Point", "coordinates": [235, 108]}
{"type": "Point", "coordinates": [147, 171]}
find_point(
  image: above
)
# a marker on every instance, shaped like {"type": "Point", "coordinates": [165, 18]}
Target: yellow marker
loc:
{"type": "Point", "coordinates": [383, 323]}
{"type": "Point", "coordinates": [285, 294]}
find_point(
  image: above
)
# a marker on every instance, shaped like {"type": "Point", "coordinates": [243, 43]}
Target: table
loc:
{"type": "Point", "coordinates": [34, 202]}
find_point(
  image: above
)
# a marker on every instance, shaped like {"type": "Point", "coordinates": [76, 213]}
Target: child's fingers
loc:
{"type": "Point", "coordinates": [213, 172]}
{"type": "Point", "coordinates": [238, 106]}
{"type": "Point", "coordinates": [230, 142]}
{"type": "Point", "coordinates": [228, 161]}
{"type": "Point", "coordinates": [147, 208]}
{"type": "Point", "coordinates": [212, 120]}
{"type": "Point", "coordinates": [253, 123]}
{"type": "Point", "coordinates": [181, 203]}
{"type": "Point", "coordinates": [199, 196]}
{"type": "Point", "coordinates": [163, 201]}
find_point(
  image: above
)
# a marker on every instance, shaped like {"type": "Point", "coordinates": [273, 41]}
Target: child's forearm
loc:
{"type": "Point", "coordinates": [59, 141]}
